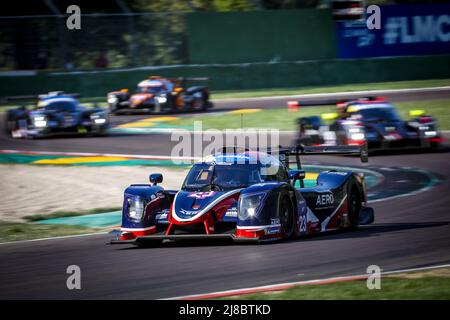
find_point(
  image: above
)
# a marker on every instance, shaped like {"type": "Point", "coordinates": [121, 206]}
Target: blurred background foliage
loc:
{"type": "Point", "coordinates": [115, 33]}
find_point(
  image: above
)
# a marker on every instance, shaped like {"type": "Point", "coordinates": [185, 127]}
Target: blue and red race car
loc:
{"type": "Point", "coordinates": [246, 196]}
{"type": "Point", "coordinates": [372, 121]}
{"type": "Point", "coordinates": [55, 113]}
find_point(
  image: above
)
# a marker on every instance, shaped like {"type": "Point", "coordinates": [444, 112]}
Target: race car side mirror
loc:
{"type": "Point", "coordinates": [329, 116]}
{"type": "Point", "coordinates": [156, 178]}
{"type": "Point", "coordinates": [297, 174]}
{"type": "Point", "coordinates": [416, 113]}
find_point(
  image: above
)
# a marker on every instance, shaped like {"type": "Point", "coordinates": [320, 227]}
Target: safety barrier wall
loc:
{"type": "Point", "coordinates": [239, 76]}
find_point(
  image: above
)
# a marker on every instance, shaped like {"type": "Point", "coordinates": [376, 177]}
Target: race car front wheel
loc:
{"type": "Point", "coordinates": [286, 213]}
{"type": "Point", "coordinates": [113, 108]}
{"type": "Point", "coordinates": [199, 105]}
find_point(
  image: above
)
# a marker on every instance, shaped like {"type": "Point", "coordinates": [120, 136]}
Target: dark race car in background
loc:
{"type": "Point", "coordinates": [158, 94]}
{"type": "Point", "coordinates": [56, 113]}
{"type": "Point", "coordinates": [246, 196]}
{"type": "Point", "coordinates": [373, 121]}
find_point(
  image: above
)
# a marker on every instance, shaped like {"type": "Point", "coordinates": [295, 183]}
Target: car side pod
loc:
{"type": "Point", "coordinates": [366, 216]}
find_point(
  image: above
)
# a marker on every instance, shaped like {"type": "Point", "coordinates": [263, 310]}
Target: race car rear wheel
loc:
{"type": "Point", "coordinates": [9, 127]}
{"type": "Point", "coordinates": [354, 206]}
{"type": "Point", "coordinates": [286, 214]}
{"type": "Point", "coordinates": [10, 124]}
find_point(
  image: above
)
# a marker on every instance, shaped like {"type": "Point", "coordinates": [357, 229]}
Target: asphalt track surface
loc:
{"type": "Point", "coordinates": [161, 144]}
{"type": "Point", "coordinates": [411, 231]}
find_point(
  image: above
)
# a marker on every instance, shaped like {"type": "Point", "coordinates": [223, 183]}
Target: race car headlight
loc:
{"type": "Point", "coordinates": [112, 99]}
{"type": "Point", "coordinates": [40, 121]}
{"type": "Point", "coordinates": [357, 136]}
{"type": "Point", "coordinates": [136, 207]}
{"type": "Point", "coordinates": [99, 118]}
{"type": "Point", "coordinates": [249, 205]}
{"type": "Point", "coordinates": [161, 99]}
{"type": "Point", "coordinates": [354, 130]}
{"type": "Point", "coordinates": [100, 121]}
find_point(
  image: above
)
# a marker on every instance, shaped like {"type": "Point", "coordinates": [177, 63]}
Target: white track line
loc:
{"type": "Point", "coordinates": [89, 154]}
{"type": "Point", "coordinates": [283, 286]}
{"type": "Point", "coordinates": [421, 190]}
{"type": "Point", "coordinates": [336, 94]}
{"type": "Point", "coordinates": [55, 238]}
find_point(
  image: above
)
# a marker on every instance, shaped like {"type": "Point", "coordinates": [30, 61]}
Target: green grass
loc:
{"type": "Point", "coordinates": [331, 89]}
{"type": "Point", "coordinates": [63, 214]}
{"type": "Point", "coordinates": [269, 119]}
{"type": "Point", "coordinates": [15, 231]}
{"type": "Point", "coordinates": [440, 109]}
{"type": "Point", "coordinates": [285, 120]}
{"type": "Point", "coordinates": [392, 288]}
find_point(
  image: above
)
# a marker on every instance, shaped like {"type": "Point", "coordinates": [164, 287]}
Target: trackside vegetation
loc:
{"type": "Point", "coordinates": [285, 120]}
{"type": "Point", "coordinates": [64, 214]}
{"type": "Point", "coordinates": [15, 231]}
{"type": "Point", "coordinates": [428, 285]}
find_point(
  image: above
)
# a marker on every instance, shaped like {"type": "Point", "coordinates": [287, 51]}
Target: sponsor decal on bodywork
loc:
{"type": "Point", "coordinates": [232, 212]}
{"type": "Point", "coordinates": [324, 201]}
{"type": "Point", "coordinates": [202, 195]}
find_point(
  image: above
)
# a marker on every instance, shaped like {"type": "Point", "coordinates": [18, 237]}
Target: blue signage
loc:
{"type": "Point", "coordinates": [415, 29]}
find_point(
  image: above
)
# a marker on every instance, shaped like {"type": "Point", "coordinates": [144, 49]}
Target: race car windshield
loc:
{"type": "Point", "coordinates": [377, 114]}
{"type": "Point", "coordinates": [225, 177]}
{"type": "Point", "coordinates": [150, 89]}
{"type": "Point", "coordinates": [61, 106]}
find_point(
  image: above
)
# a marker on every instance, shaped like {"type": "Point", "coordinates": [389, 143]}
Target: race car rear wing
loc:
{"type": "Point", "coordinates": [328, 102]}
{"type": "Point", "coordinates": [24, 99]}
{"type": "Point", "coordinates": [285, 154]}
{"type": "Point", "coordinates": [300, 150]}
{"type": "Point", "coordinates": [190, 79]}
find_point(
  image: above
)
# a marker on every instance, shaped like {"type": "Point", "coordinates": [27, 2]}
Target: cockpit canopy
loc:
{"type": "Point", "coordinates": [59, 104]}
{"type": "Point", "coordinates": [373, 112]}
{"type": "Point", "coordinates": [154, 86]}
{"type": "Point", "coordinates": [233, 171]}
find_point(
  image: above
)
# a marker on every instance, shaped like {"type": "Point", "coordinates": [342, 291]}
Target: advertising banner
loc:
{"type": "Point", "coordinates": [416, 29]}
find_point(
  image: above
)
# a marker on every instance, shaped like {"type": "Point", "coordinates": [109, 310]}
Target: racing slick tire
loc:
{"type": "Point", "coordinates": [100, 133]}
{"type": "Point", "coordinates": [286, 215]}
{"type": "Point", "coordinates": [113, 108]}
{"type": "Point", "coordinates": [354, 203]}
{"type": "Point", "coordinates": [9, 126]}
{"type": "Point", "coordinates": [10, 123]}
{"type": "Point", "coordinates": [199, 105]}
{"type": "Point", "coordinates": [436, 146]}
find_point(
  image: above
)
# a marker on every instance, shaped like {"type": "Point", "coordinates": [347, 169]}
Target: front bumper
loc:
{"type": "Point", "coordinates": [185, 237]}
{"type": "Point", "coordinates": [404, 144]}
{"type": "Point", "coordinates": [147, 106]}
{"type": "Point", "coordinates": [57, 131]}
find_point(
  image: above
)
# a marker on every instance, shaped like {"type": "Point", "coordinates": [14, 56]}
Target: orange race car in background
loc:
{"type": "Point", "coordinates": [157, 94]}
